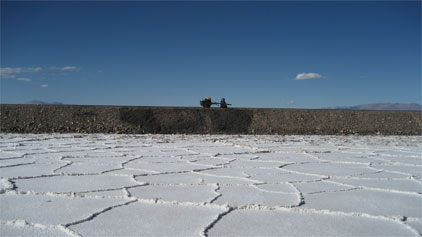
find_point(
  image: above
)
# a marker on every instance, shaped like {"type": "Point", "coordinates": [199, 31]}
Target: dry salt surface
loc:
{"type": "Point", "coordinates": [179, 185]}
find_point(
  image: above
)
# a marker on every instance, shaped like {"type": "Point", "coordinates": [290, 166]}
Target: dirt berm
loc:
{"type": "Point", "coordinates": [189, 120]}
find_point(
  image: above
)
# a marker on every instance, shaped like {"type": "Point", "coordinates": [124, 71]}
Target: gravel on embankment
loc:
{"type": "Point", "coordinates": [192, 120]}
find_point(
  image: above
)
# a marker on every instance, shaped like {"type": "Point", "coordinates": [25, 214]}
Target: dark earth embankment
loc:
{"type": "Point", "coordinates": [189, 120]}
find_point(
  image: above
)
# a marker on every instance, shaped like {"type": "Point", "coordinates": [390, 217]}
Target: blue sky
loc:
{"type": "Point", "coordinates": [255, 54]}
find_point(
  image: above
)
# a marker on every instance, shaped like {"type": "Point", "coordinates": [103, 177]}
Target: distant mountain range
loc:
{"type": "Point", "coordinates": [381, 106]}
{"type": "Point", "coordinates": [39, 102]}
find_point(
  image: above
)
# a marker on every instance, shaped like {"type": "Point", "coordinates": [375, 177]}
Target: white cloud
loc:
{"type": "Point", "coordinates": [17, 70]}
{"type": "Point", "coordinates": [35, 69]}
{"type": "Point", "coordinates": [65, 68]}
{"type": "Point", "coordinates": [12, 72]}
{"type": "Point", "coordinates": [68, 68]}
{"type": "Point", "coordinates": [9, 72]}
{"type": "Point", "coordinates": [310, 75]}
{"type": "Point", "coordinates": [24, 79]}
{"type": "Point", "coordinates": [290, 102]}
{"type": "Point", "coordinates": [7, 76]}
{"type": "Point", "coordinates": [44, 85]}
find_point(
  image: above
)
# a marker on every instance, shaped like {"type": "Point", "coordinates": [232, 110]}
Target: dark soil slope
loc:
{"type": "Point", "coordinates": [121, 119]}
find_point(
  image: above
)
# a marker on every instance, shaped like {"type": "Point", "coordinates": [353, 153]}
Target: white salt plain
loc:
{"type": "Point", "coordinates": [220, 185]}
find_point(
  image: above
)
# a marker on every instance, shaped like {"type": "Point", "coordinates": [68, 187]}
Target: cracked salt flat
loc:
{"type": "Point", "coordinates": [197, 193]}
{"type": "Point", "coordinates": [179, 185]}
{"type": "Point", "coordinates": [79, 183]}
{"type": "Point", "coordinates": [150, 219]}
{"type": "Point", "coordinates": [356, 158]}
{"type": "Point", "coordinates": [286, 157]}
{"type": "Point", "coordinates": [283, 177]}
{"type": "Point", "coordinates": [16, 162]}
{"type": "Point", "coordinates": [256, 164]}
{"type": "Point", "coordinates": [281, 188]}
{"type": "Point", "coordinates": [28, 170]}
{"type": "Point", "coordinates": [291, 223]}
{"type": "Point", "coordinates": [191, 178]}
{"type": "Point", "coordinates": [10, 155]}
{"type": "Point", "coordinates": [240, 196]}
{"type": "Point", "coordinates": [415, 224]}
{"type": "Point", "coordinates": [23, 229]}
{"type": "Point", "coordinates": [332, 169]}
{"type": "Point", "coordinates": [401, 160]}
{"type": "Point", "coordinates": [51, 209]}
{"type": "Point", "coordinates": [372, 202]}
{"type": "Point", "coordinates": [388, 175]}
{"type": "Point", "coordinates": [321, 186]}
{"type": "Point", "coordinates": [211, 162]}
{"type": "Point", "coordinates": [402, 169]}
{"type": "Point", "coordinates": [112, 193]}
{"type": "Point", "coordinates": [168, 167]}
{"type": "Point", "coordinates": [404, 185]}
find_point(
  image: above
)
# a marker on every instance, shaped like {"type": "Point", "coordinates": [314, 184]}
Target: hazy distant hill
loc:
{"type": "Point", "coordinates": [39, 102]}
{"type": "Point", "coordinates": [382, 106]}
